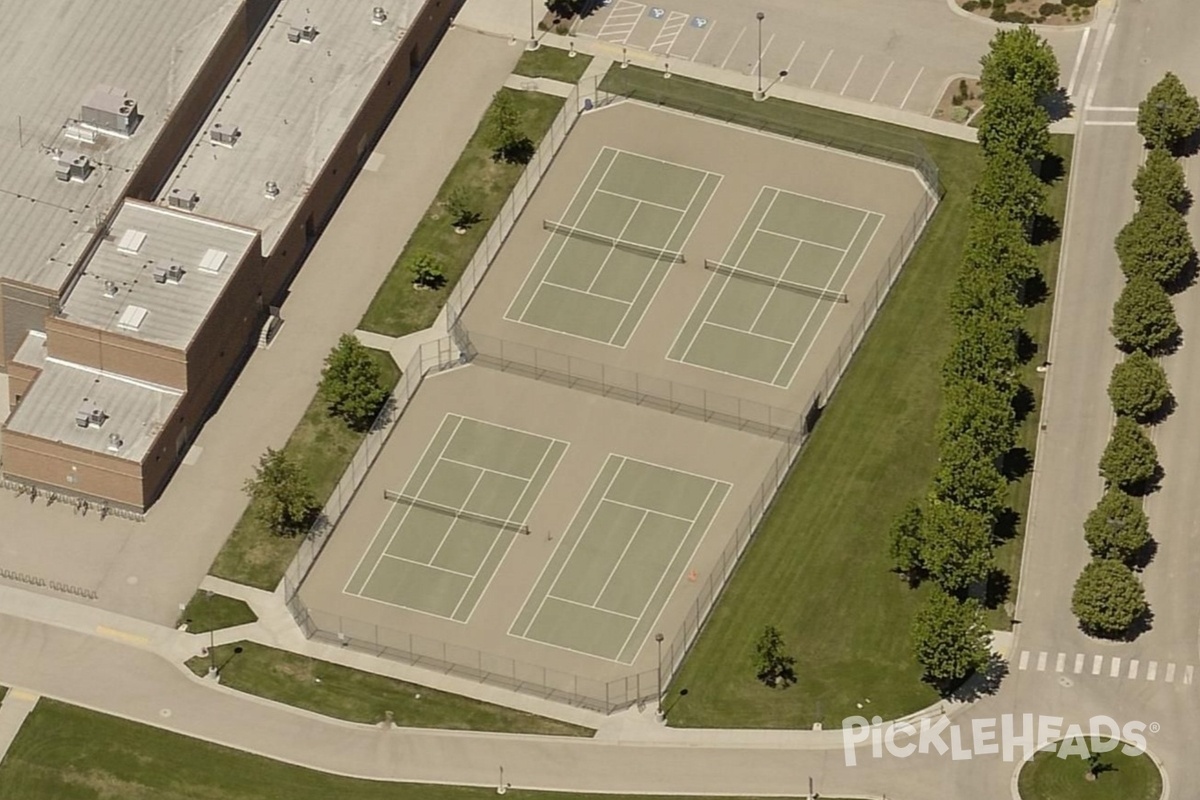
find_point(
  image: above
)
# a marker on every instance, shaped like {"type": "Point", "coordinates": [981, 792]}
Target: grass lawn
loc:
{"type": "Point", "coordinates": [69, 753]}
{"type": "Point", "coordinates": [212, 612]}
{"type": "Point", "coordinates": [398, 308]}
{"type": "Point", "coordinates": [1048, 777]}
{"type": "Point", "coordinates": [324, 446]}
{"type": "Point", "coordinates": [551, 62]}
{"type": "Point", "coordinates": [357, 696]}
{"type": "Point", "coordinates": [818, 569]}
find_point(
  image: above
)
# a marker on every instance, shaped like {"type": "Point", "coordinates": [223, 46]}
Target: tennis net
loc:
{"type": "Point", "coordinates": [457, 513]}
{"type": "Point", "coordinates": [751, 275]}
{"type": "Point", "coordinates": [657, 253]}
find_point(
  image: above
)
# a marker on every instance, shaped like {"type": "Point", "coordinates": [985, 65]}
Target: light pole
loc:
{"type": "Point", "coordinates": [533, 42]}
{"type": "Point", "coordinates": [758, 95]}
{"type": "Point", "coordinates": [658, 637]}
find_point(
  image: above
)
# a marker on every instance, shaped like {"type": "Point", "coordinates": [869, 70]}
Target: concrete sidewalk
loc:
{"type": "Point", "coordinates": [13, 710]}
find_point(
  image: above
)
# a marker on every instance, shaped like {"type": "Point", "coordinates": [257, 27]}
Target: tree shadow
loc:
{"type": "Point", "coordinates": [999, 586]}
{"type": "Point", "coordinates": [1023, 403]}
{"type": "Point", "coordinates": [1186, 147]}
{"type": "Point", "coordinates": [1186, 278]}
{"type": "Point", "coordinates": [1027, 348]}
{"type": "Point", "coordinates": [1165, 349]}
{"type": "Point", "coordinates": [1008, 523]}
{"type": "Point", "coordinates": [1045, 229]}
{"type": "Point", "coordinates": [1168, 408]}
{"type": "Point", "coordinates": [518, 152]}
{"type": "Point", "coordinates": [1052, 168]}
{"type": "Point", "coordinates": [1035, 291]}
{"type": "Point", "coordinates": [1058, 104]}
{"type": "Point", "coordinates": [981, 684]}
{"type": "Point", "coordinates": [1146, 487]}
{"type": "Point", "coordinates": [1144, 556]}
{"type": "Point", "coordinates": [1016, 463]}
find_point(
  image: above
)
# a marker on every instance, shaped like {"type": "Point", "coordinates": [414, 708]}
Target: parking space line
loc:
{"type": "Point", "coordinates": [758, 62]}
{"type": "Point", "coordinates": [669, 33]}
{"type": "Point", "coordinates": [621, 21]}
{"type": "Point", "coordinates": [792, 63]}
{"type": "Point", "coordinates": [822, 69]}
{"type": "Point", "coordinates": [736, 42]}
{"type": "Point", "coordinates": [704, 40]}
{"type": "Point", "coordinates": [886, 72]}
{"type": "Point", "coordinates": [846, 85]}
{"type": "Point", "coordinates": [907, 94]}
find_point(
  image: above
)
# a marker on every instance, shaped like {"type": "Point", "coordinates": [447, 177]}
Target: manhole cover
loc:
{"type": "Point", "coordinates": [166, 712]}
{"type": "Point", "coordinates": [1066, 683]}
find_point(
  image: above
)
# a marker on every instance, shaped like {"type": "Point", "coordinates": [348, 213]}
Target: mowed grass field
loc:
{"type": "Point", "coordinates": [818, 569]}
{"type": "Point", "coordinates": [68, 753]}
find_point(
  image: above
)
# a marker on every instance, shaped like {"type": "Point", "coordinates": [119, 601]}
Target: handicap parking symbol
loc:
{"type": "Point", "coordinates": [657, 13]}
{"type": "Point", "coordinates": [699, 22]}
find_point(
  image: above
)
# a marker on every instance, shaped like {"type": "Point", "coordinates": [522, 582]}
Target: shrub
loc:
{"type": "Point", "coordinates": [985, 3]}
{"type": "Point", "coordinates": [1117, 528]}
{"type": "Point", "coordinates": [772, 665]}
{"type": "Point", "coordinates": [904, 540]}
{"type": "Point", "coordinates": [970, 5]}
{"type": "Point", "coordinates": [426, 269]}
{"type": "Point", "coordinates": [1130, 459]}
{"type": "Point", "coordinates": [1138, 387]}
{"type": "Point", "coordinates": [998, 11]}
{"type": "Point", "coordinates": [1155, 243]}
{"type": "Point", "coordinates": [352, 383]}
{"type": "Point", "coordinates": [1108, 598]}
{"type": "Point", "coordinates": [1050, 9]}
{"type": "Point", "coordinates": [1143, 317]}
{"type": "Point", "coordinates": [950, 639]}
{"type": "Point", "coordinates": [1018, 17]}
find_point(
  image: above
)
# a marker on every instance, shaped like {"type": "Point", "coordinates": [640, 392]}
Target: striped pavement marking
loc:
{"type": "Point", "coordinates": [1129, 669]}
{"type": "Point", "coordinates": [1042, 661]}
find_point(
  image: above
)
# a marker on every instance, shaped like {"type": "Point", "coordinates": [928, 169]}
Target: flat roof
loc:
{"type": "Point", "coordinates": [120, 275]}
{"type": "Point", "coordinates": [291, 103]}
{"type": "Point", "coordinates": [133, 412]}
{"type": "Point", "coordinates": [58, 52]}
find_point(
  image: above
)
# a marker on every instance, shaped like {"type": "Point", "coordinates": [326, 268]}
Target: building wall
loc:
{"type": "Point", "coordinates": [22, 309]}
{"type": "Point", "coordinates": [20, 376]}
{"type": "Point", "coordinates": [115, 352]}
{"type": "Point", "coordinates": [47, 464]}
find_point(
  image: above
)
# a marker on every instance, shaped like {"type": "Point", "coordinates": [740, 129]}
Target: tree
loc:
{"type": "Point", "coordinates": [461, 204]}
{"type": "Point", "coordinates": [1008, 187]}
{"type": "Point", "coordinates": [956, 547]}
{"type": "Point", "coordinates": [1130, 458]}
{"type": "Point", "coordinates": [1161, 178]}
{"type": "Point", "coordinates": [426, 269]}
{"type": "Point", "coordinates": [1012, 120]}
{"type": "Point", "coordinates": [1108, 598]}
{"type": "Point", "coordinates": [1138, 387]}
{"type": "Point", "coordinates": [984, 351]}
{"type": "Point", "coordinates": [282, 499]}
{"type": "Point", "coordinates": [967, 476]}
{"type": "Point", "coordinates": [1000, 245]}
{"type": "Point", "coordinates": [772, 665]}
{"type": "Point", "coordinates": [1155, 243]}
{"type": "Point", "coordinates": [1022, 60]}
{"type": "Point", "coordinates": [985, 292]}
{"type": "Point", "coordinates": [950, 639]}
{"type": "Point", "coordinates": [904, 540]}
{"type": "Point", "coordinates": [980, 412]}
{"type": "Point", "coordinates": [505, 129]}
{"type": "Point", "coordinates": [352, 383]}
{"type": "Point", "coordinates": [568, 8]}
{"type": "Point", "coordinates": [1169, 114]}
{"type": "Point", "coordinates": [1117, 528]}
{"type": "Point", "coordinates": [1143, 317]}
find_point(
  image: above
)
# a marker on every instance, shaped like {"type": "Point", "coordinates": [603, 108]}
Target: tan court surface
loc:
{"type": "Point", "coordinates": [636, 502]}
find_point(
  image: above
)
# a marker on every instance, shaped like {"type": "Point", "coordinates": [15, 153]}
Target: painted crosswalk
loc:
{"type": "Point", "coordinates": [1125, 669]}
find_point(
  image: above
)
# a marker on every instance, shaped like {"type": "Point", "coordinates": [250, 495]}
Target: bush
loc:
{"type": "Point", "coordinates": [1155, 243]}
{"type": "Point", "coordinates": [1050, 9]}
{"type": "Point", "coordinates": [998, 11]}
{"type": "Point", "coordinates": [1117, 528]}
{"type": "Point", "coordinates": [985, 3]}
{"type": "Point", "coordinates": [1018, 17]}
{"type": "Point", "coordinates": [1108, 598]}
{"type": "Point", "coordinates": [970, 5]}
{"type": "Point", "coordinates": [1143, 317]}
{"type": "Point", "coordinates": [904, 540]}
{"type": "Point", "coordinates": [426, 269]}
{"type": "Point", "coordinates": [1160, 179]}
{"type": "Point", "coordinates": [772, 665]}
{"type": "Point", "coordinates": [352, 383]}
{"type": "Point", "coordinates": [284, 501]}
{"type": "Point", "coordinates": [950, 639]}
{"type": "Point", "coordinates": [1138, 387]}
{"type": "Point", "coordinates": [1130, 459]}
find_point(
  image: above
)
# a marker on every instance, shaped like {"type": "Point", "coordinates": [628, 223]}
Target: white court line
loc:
{"type": "Point", "coordinates": [647, 510]}
{"type": "Point", "coordinates": [587, 292]}
{"type": "Point", "coordinates": [1078, 663]}
{"type": "Point", "coordinates": [1041, 665]}
{"type": "Point", "coordinates": [462, 507]}
{"type": "Point", "coordinates": [669, 469]}
{"type": "Point", "coordinates": [799, 240]}
{"type": "Point", "coordinates": [669, 33]}
{"type": "Point", "coordinates": [592, 607]}
{"type": "Point", "coordinates": [758, 61]}
{"type": "Point", "coordinates": [1133, 669]}
{"type": "Point", "coordinates": [1170, 676]}
{"type": "Point", "coordinates": [1108, 35]}
{"type": "Point", "coordinates": [429, 566]}
{"type": "Point", "coordinates": [1097, 662]}
{"type": "Point", "coordinates": [748, 333]}
{"type": "Point", "coordinates": [817, 77]}
{"type": "Point", "coordinates": [908, 94]}
{"type": "Point", "coordinates": [703, 39]}
{"type": "Point", "coordinates": [487, 469]}
{"type": "Point", "coordinates": [1061, 662]}
{"type": "Point", "coordinates": [1078, 60]}
{"type": "Point", "coordinates": [735, 44]}
{"type": "Point", "coordinates": [643, 202]}
{"type": "Point", "coordinates": [846, 85]}
{"type": "Point", "coordinates": [820, 200]}
{"type": "Point", "coordinates": [775, 288]}
{"type": "Point", "coordinates": [620, 558]}
{"type": "Point", "coordinates": [611, 250]}
{"type": "Point", "coordinates": [1115, 668]}
{"type": "Point", "coordinates": [886, 72]}
{"type": "Point", "coordinates": [1024, 662]}
{"type": "Point", "coordinates": [792, 63]}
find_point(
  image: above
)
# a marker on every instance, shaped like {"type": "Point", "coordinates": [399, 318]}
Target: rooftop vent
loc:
{"type": "Point", "coordinates": [174, 273]}
{"type": "Point", "coordinates": [110, 289]}
{"type": "Point", "coordinates": [271, 190]}
{"type": "Point", "coordinates": [227, 136]}
{"type": "Point", "coordinates": [72, 166]}
{"type": "Point", "coordinates": [160, 274]}
{"type": "Point", "coordinates": [132, 317]}
{"type": "Point", "coordinates": [185, 199]}
{"type": "Point", "coordinates": [114, 442]}
{"type": "Point", "coordinates": [306, 34]}
{"type": "Point", "coordinates": [108, 109]}
{"type": "Point", "coordinates": [378, 15]}
{"type": "Point", "coordinates": [131, 242]}
{"type": "Point", "coordinates": [89, 415]}
{"type": "Point", "coordinates": [213, 261]}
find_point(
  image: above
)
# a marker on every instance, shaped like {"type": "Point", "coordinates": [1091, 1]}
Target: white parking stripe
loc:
{"type": "Point", "coordinates": [846, 85]}
{"type": "Point", "coordinates": [1133, 669]}
{"type": "Point", "coordinates": [1078, 60]}
{"type": "Point", "coordinates": [1041, 661]}
{"type": "Point", "coordinates": [1078, 663]}
{"type": "Point", "coordinates": [669, 33]}
{"type": "Point", "coordinates": [1097, 662]}
{"type": "Point", "coordinates": [1152, 670]}
{"type": "Point", "coordinates": [1061, 662]}
{"type": "Point", "coordinates": [1115, 670]}
{"type": "Point", "coordinates": [817, 77]}
{"type": "Point", "coordinates": [792, 63]}
{"type": "Point", "coordinates": [735, 44]}
{"type": "Point", "coordinates": [704, 40]}
{"type": "Point", "coordinates": [1170, 678]}
{"type": "Point", "coordinates": [907, 94]}
{"type": "Point", "coordinates": [881, 80]}
{"type": "Point", "coordinates": [758, 62]}
{"type": "Point", "coordinates": [1024, 660]}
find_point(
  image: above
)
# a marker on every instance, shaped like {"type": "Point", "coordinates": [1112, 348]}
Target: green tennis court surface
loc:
{"type": "Point", "coordinates": [584, 285]}
{"type": "Point", "coordinates": [429, 558]}
{"type": "Point", "coordinates": [758, 326]}
{"type": "Point", "coordinates": [620, 559]}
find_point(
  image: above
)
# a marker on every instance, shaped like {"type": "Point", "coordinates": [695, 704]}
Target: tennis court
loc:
{"type": "Point", "coordinates": [609, 252]}
{"type": "Point", "coordinates": [781, 277]}
{"type": "Point", "coordinates": [620, 559]}
{"type": "Point", "coordinates": [452, 524]}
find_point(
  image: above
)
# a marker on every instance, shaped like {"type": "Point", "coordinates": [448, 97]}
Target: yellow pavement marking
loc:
{"type": "Point", "coordinates": [21, 694]}
{"type": "Point", "coordinates": [122, 636]}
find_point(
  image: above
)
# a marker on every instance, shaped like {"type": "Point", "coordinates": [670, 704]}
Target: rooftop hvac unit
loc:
{"type": "Point", "coordinates": [271, 190]}
{"type": "Point", "coordinates": [114, 442]}
{"type": "Point", "coordinates": [184, 199]}
{"type": "Point", "coordinates": [160, 274]}
{"type": "Point", "coordinates": [306, 34]}
{"type": "Point", "coordinates": [174, 273]}
{"type": "Point", "coordinates": [378, 15]}
{"type": "Point", "coordinates": [110, 289]}
{"type": "Point", "coordinates": [224, 135]}
{"type": "Point", "coordinates": [72, 166]}
{"type": "Point", "coordinates": [108, 109]}
{"type": "Point", "coordinates": [89, 414]}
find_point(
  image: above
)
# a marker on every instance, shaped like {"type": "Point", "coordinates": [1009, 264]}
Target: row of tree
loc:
{"type": "Point", "coordinates": [1155, 251]}
{"type": "Point", "coordinates": [948, 537]}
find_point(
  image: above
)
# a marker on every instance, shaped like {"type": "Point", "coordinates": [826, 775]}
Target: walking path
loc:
{"type": "Point", "coordinates": [13, 710]}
